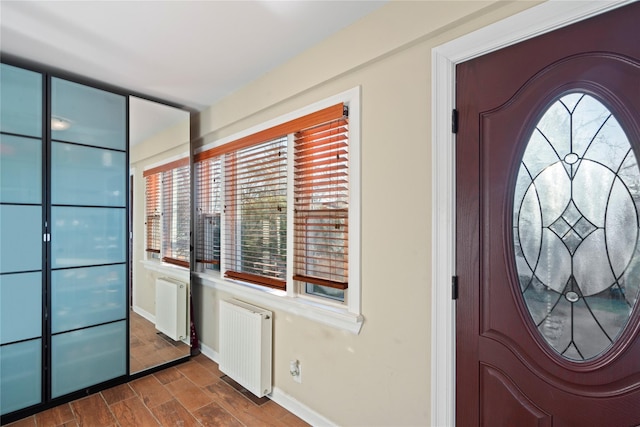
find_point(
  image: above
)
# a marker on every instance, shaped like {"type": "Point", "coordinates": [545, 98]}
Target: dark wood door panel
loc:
{"type": "Point", "coordinates": [503, 404]}
{"type": "Point", "coordinates": [508, 374]}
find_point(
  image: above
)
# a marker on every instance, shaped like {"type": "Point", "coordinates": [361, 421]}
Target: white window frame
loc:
{"type": "Point", "coordinates": [344, 315]}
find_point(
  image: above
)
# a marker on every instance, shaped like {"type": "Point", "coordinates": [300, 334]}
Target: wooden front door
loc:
{"type": "Point", "coordinates": [548, 229]}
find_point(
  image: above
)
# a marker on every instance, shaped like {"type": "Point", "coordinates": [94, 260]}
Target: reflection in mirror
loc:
{"type": "Point", "coordinates": [160, 225]}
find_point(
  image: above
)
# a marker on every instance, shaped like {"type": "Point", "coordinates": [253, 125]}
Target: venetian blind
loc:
{"type": "Point", "coordinates": [152, 213]}
{"type": "Point", "coordinates": [321, 194]}
{"type": "Point", "coordinates": [208, 208]}
{"type": "Point", "coordinates": [176, 212]}
{"type": "Point", "coordinates": [256, 213]}
{"type": "Point", "coordinates": [254, 170]}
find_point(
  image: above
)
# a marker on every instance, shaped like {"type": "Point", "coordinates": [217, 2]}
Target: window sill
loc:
{"type": "Point", "coordinates": [171, 270]}
{"type": "Point", "coordinates": [336, 317]}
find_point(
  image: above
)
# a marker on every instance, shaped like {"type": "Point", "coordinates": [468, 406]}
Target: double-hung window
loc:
{"type": "Point", "coordinates": [273, 206]}
{"type": "Point", "coordinates": [168, 212]}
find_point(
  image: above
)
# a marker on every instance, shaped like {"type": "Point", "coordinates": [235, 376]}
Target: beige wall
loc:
{"type": "Point", "coordinates": [381, 376]}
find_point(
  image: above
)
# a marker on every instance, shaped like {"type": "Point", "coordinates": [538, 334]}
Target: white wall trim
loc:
{"type": "Point", "coordinates": [538, 20]}
{"type": "Point", "coordinates": [275, 299]}
{"type": "Point", "coordinates": [144, 313]}
{"type": "Point", "coordinates": [281, 398]}
{"type": "Point", "coordinates": [299, 409]}
{"type": "Point", "coordinates": [209, 352]}
{"type": "Point", "coordinates": [176, 272]}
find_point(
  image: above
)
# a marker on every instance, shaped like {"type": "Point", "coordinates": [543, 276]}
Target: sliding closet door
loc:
{"type": "Point", "coordinates": [21, 241]}
{"type": "Point", "coordinates": [89, 171]}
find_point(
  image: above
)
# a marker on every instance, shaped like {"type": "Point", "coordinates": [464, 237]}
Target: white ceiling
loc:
{"type": "Point", "coordinates": [190, 53]}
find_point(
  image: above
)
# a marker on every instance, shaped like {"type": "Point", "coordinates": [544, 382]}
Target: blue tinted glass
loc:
{"type": "Point", "coordinates": [88, 356]}
{"type": "Point", "coordinates": [20, 380]}
{"type": "Point", "coordinates": [20, 238]}
{"type": "Point", "coordinates": [87, 296]}
{"type": "Point", "coordinates": [20, 306]}
{"type": "Point", "coordinates": [87, 176]}
{"type": "Point", "coordinates": [20, 169]}
{"type": "Point", "coordinates": [87, 115]}
{"type": "Point", "coordinates": [87, 236]}
{"type": "Point", "coordinates": [20, 101]}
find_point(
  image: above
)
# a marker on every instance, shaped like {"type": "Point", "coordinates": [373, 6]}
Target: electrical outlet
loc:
{"type": "Point", "coordinates": [295, 369]}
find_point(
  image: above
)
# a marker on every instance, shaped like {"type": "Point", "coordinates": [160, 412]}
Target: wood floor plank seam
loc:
{"type": "Point", "coordinates": [224, 406]}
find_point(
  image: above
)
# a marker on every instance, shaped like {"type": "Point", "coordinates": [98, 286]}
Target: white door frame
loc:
{"type": "Point", "coordinates": [532, 22]}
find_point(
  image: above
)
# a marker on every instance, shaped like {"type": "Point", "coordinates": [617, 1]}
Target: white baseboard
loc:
{"type": "Point", "coordinates": [283, 399]}
{"type": "Point", "coordinates": [209, 352]}
{"type": "Point", "coordinates": [295, 407]}
{"type": "Point", "coordinates": [150, 317]}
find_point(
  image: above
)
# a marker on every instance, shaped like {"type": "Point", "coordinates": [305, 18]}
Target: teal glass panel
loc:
{"type": "Point", "coordinates": [20, 101]}
{"type": "Point", "coordinates": [87, 176]}
{"type": "Point", "coordinates": [20, 170]}
{"type": "Point", "coordinates": [87, 357]}
{"type": "Point", "coordinates": [87, 236]}
{"type": "Point", "coordinates": [20, 378]}
{"type": "Point", "coordinates": [20, 238]}
{"type": "Point", "coordinates": [88, 296]}
{"type": "Point", "coordinates": [87, 115]}
{"type": "Point", "coordinates": [20, 306]}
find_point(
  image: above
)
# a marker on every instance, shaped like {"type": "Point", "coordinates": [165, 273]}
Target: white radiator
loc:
{"type": "Point", "coordinates": [245, 345]}
{"type": "Point", "coordinates": [171, 308]}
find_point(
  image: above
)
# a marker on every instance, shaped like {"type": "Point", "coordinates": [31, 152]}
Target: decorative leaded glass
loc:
{"type": "Point", "coordinates": [576, 227]}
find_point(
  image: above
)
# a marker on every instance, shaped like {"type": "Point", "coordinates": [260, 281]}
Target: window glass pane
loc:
{"type": "Point", "coordinates": [20, 378]}
{"type": "Point", "coordinates": [321, 193]}
{"type": "Point", "coordinates": [88, 356]}
{"type": "Point", "coordinates": [87, 115]}
{"type": "Point", "coordinates": [153, 215]}
{"type": "Point", "coordinates": [176, 209]}
{"type": "Point", "coordinates": [209, 187]}
{"type": "Point", "coordinates": [21, 238]}
{"type": "Point", "coordinates": [87, 176]}
{"type": "Point", "coordinates": [325, 291]}
{"type": "Point", "coordinates": [256, 210]}
{"type": "Point", "coordinates": [20, 101]}
{"type": "Point", "coordinates": [87, 236]}
{"type": "Point", "coordinates": [87, 296]}
{"type": "Point", "coordinates": [20, 306]}
{"type": "Point", "coordinates": [20, 170]}
{"type": "Point", "coordinates": [576, 227]}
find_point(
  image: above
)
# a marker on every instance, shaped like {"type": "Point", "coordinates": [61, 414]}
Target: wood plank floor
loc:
{"type": "Point", "coordinates": [148, 348]}
{"type": "Point", "coordinates": [189, 394]}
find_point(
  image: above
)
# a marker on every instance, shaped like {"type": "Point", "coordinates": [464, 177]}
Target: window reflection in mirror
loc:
{"type": "Point", "coordinates": [159, 303]}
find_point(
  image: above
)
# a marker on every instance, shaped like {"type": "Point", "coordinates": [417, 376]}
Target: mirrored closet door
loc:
{"type": "Point", "coordinates": [66, 231]}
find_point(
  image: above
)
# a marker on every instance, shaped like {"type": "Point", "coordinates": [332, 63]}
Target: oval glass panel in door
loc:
{"type": "Point", "coordinates": [576, 227]}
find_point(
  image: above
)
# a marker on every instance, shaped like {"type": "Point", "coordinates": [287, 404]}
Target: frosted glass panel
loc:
{"type": "Point", "coordinates": [87, 357]}
{"type": "Point", "coordinates": [20, 101]}
{"type": "Point", "coordinates": [87, 296]}
{"type": "Point", "coordinates": [87, 236]}
{"type": "Point", "coordinates": [87, 176]}
{"type": "Point", "coordinates": [20, 380]}
{"type": "Point", "coordinates": [20, 170]}
{"type": "Point", "coordinates": [88, 115]}
{"type": "Point", "coordinates": [20, 238]}
{"type": "Point", "coordinates": [20, 306]}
